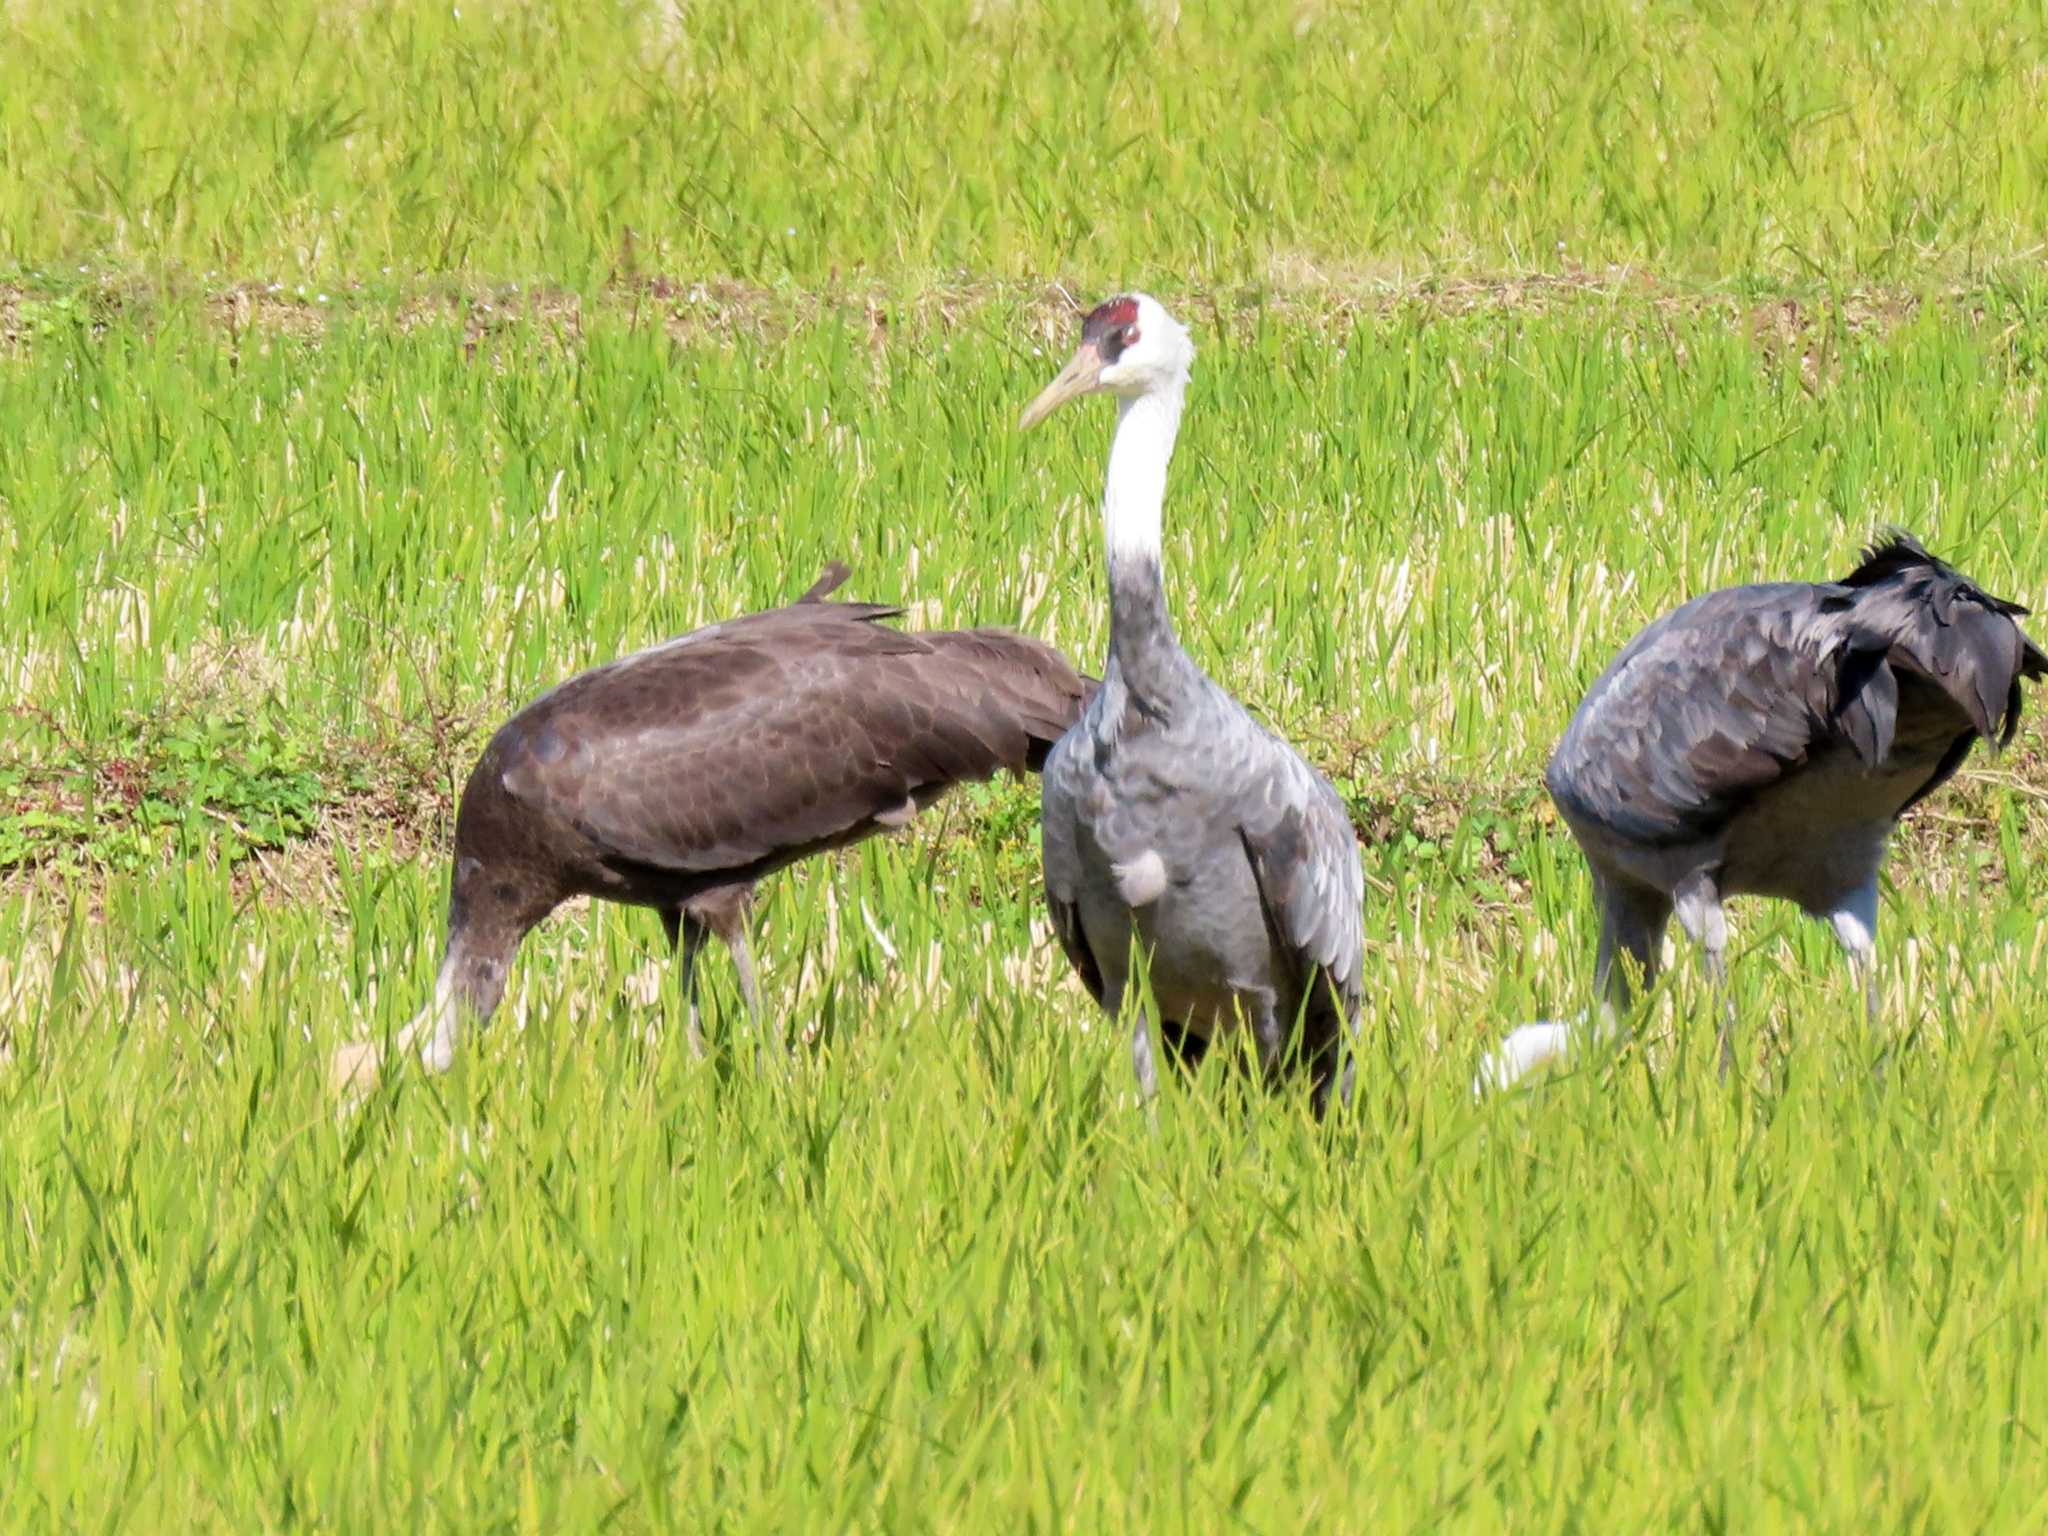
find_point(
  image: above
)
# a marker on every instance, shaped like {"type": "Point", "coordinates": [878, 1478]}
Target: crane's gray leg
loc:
{"type": "Point", "coordinates": [1701, 915]}
{"type": "Point", "coordinates": [1632, 923]}
{"type": "Point", "coordinates": [750, 989]}
{"type": "Point", "coordinates": [686, 932]}
{"type": "Point", "coordinates": [1335, 1069]}
{"type": "Point", "coordinates": [1117, 989]}
{"type": "Point", "coordinates": [1855, 925]}
{"type": "Point", "coordinates": [1141, 1061]}
{"type": "Point", "coordinates": [1346, 1047]}
{"type": "Point", "coordinates": [1267, 1032]}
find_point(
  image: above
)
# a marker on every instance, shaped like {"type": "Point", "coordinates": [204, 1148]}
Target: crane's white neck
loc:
{"type": "Point", "coordinates": [1135, 491]}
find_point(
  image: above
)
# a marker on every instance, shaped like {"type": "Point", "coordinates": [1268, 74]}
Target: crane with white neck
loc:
{"type": "Point", "coordinates": [1188, 850]}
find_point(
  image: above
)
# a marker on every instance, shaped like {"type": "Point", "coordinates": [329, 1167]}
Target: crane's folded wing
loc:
{"type": "Point", "coordinates": [771, 736]}
{"type": "Point", "coordinates": [1708, 705]}
{"type": "Point", "coordinates": [1062, 866]}
{"type": "Point", "coordinates": [1304, 856]}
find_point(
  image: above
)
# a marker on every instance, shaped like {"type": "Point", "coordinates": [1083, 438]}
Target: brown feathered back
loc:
{"type": "Point", "coordinates": [733, 750]}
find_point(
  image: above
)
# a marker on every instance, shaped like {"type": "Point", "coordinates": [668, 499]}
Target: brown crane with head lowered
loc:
{"type": "Point", "coordinates": [678, 777]}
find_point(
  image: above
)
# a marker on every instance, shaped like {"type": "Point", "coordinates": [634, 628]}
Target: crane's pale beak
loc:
{"type": "Point", "coordinates": [1082, 373]}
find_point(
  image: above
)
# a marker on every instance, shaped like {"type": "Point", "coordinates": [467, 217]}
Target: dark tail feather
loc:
{"type": "Point", "coordinates": [1930, 619]}
{"type": "Point", "coordinates": [1028, 683]}
{"type": "Point", "coordinates": [829, 581]}
{"type": "Point", "coordinates": [1896, 551]}
{"type": "Point", "coordinates": [2033, 665]}
{"type": "Point", "coordinates": [2033, 660]}
{"type": "Point", "coordinates": [1056, 723]}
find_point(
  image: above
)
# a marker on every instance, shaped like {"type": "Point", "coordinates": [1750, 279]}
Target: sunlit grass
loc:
{"type": "Point", "coordinates": [366, 369]}
{"type": "Point", "coordinates": [1424, 533]}
{"type": "Point", "coordinates": [940, 1273]}
{"type": "Point", "coordinates": [329, 141]}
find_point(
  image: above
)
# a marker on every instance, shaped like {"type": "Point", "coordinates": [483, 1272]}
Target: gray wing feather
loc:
{"type": "Point", "coordinates": [1062, 861]}
{"type": "Point", "coordinates": [1963, 642]}
{"type": "Point", "coordinates": [1304, 857]}
{"type": "Point", "coordinates": [1707, 705]}
{"type": "Point", "coordinates": [1724, 696]}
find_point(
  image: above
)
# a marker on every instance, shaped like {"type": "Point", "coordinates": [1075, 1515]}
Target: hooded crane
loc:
{"type": "Point", "coordinates": [1173, 821]}
{"type": "Point", "coordinates": [1764, 740]}
{"type": "Point", "coordinates": [678, 777]}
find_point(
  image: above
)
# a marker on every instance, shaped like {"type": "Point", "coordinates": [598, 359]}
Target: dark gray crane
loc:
{"type": "Point", "coordinates": [678, 777]}
{"type": "Point", "coordinates": [1174, 823]}
{"type": "Point", "coordinates": [1764, 740]}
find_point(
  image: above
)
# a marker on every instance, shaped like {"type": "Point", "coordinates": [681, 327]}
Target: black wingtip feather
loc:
{"type": "Point", "coordinates": [1942, 625]}
{"type": "Point", "coordinates": [1893, 551]}
{"type": "Point", "coordinates": [1896, 551]}
{"type": "Point", "coordinates": [830, 580]}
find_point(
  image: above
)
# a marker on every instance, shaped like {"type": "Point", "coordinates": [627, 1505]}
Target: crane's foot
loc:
{"type": "Point", "coordinates": [1525, 1049]}
{"type": "Point", "coordinates": [355, 1069]}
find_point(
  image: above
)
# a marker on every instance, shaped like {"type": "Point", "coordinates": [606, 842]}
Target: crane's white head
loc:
{"type": "Point", "coordinates": [1129, 346]}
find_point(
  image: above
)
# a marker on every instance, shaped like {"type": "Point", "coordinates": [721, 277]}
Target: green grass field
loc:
{"type": "Point", "coordinates": [1516, 329]}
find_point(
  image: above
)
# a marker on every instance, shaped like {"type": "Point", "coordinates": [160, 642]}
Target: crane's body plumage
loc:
{"type": "Point", "coordinates": [677, 777]}
{"type": "Point", "coordinates": [1733, 730]}
{"type": "Point", "coordinates": [1172, 817]}
{"type": "Point", "coordinates": [726, 754]}
{"type": "Point", "coordinates": [1764, 740]}
{"type": "Point", "coordinates": [1178, 832]}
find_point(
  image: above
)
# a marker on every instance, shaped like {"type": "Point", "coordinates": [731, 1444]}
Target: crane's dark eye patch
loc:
{"type": "Point", "coordinates": [1111, 327]}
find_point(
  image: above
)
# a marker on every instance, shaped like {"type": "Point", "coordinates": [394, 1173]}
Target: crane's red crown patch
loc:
{"type": "Point", "coordinates": [1111, 326]}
